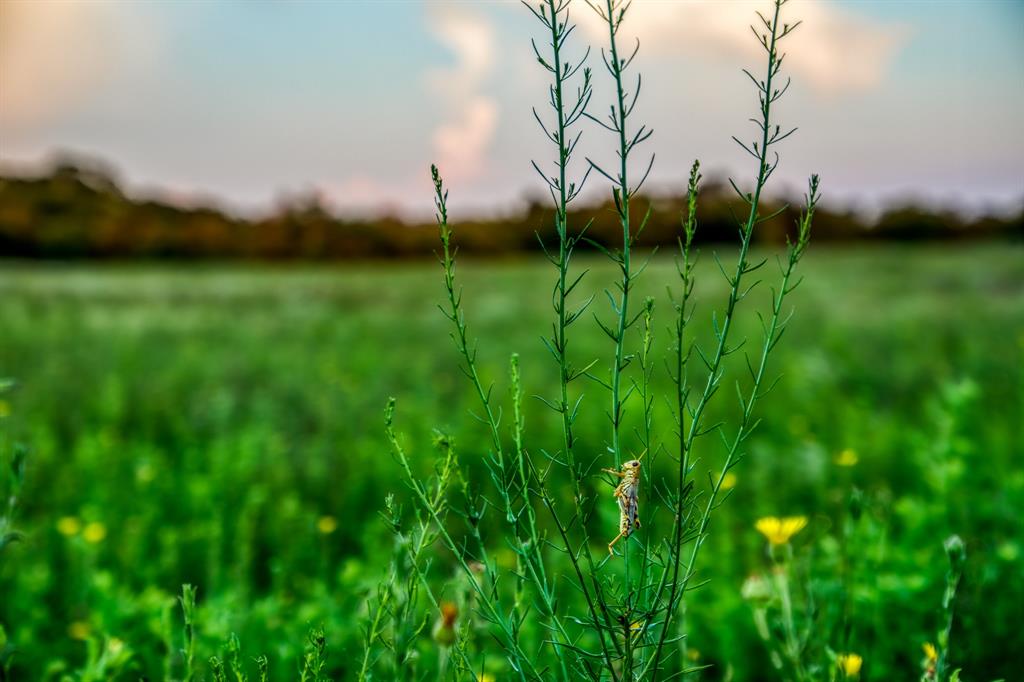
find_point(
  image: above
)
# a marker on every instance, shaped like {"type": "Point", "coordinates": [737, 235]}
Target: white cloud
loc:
{"type": "Point", "coordinates": [834, 51]}
{"type": "Point", "coordinates": [461, 142]}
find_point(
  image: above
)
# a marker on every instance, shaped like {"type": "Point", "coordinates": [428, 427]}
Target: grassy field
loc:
{"type": "Point", "coordinates": [223, 426]}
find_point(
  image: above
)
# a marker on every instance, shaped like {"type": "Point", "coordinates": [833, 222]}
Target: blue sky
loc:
{"type": "Point", "coordinates": [244, 103]}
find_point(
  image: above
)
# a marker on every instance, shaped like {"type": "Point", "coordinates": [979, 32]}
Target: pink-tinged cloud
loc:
{"type": "Point", "coordinates": [462, 141]}
{"type": "Point", "coordinates": [461, 145]}
{"type": "Point", "coordinates": [55, 55]}
{"type": "Point", "coordinates": [834, 51]}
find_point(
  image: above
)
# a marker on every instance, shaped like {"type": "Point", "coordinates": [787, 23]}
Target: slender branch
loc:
{"type": "Point", "coordinates": [554, 16]}
{"type": "Point", "coordinates": [677, 584]}
{"type": "Point", "coordinates": [613, 13]}
{"type": "Point", "coordinates": [522, 662]}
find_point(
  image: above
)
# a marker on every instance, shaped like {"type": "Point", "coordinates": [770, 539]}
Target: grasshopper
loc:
{"type": "Point", "coordinates": [626, 494]}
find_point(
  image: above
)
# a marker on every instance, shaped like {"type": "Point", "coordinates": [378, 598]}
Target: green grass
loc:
{"type": "Point", "coordinates": [209, 416]}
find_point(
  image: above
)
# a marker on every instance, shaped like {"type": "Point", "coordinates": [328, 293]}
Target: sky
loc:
{"type": "Point", "coordinates": [245, 104]}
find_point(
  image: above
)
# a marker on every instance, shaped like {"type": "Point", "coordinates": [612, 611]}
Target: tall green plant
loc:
{"type": "Point", "coordinates": [633, 602]}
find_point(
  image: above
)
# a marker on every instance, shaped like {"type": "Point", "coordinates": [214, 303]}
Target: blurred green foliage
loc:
{"type": "Point", "coordinates": [222, 427]}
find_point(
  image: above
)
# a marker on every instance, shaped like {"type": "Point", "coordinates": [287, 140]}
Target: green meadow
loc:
{"type": "Point", "coordinates": [223, 426]}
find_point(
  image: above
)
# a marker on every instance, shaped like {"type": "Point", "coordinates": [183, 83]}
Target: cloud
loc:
{"type": "Point", "coordinates": [461, 145]}
{"type": "Point", "coordinates": [461, 142]}
{"type": "Point", "coordinates": [55, 55]}
{"type": "Point", "coordinates": [834, 51]}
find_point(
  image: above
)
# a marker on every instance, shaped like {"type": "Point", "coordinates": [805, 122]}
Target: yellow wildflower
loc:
{"type": "Point", "coordinates": [69, 525]}
{"type": "Point", "coordinates": [931, 660]}
{"type": "Point", "coordinates": [847, 458]}
{"type": "Point", "coordinates": [115, 646]}
{"type": "Point", "coordinates": [728, 481]}
{"type": "Point", "coordinates": [779, 531]}
{"type": "Point", "coordinates": [79, 630]}
{"type": "Point", "coordinates": [849, 664]}
{"type": "Point", "coordinates": [94, 532]}
{"type": "Point", "coordinates": [487, 677]}
{"type": "Point", "coordinates": [327, 525]}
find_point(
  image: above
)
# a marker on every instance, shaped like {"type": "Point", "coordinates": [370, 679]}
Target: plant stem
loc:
{"type": "Point", "coordinates": [613, 13]}
{"type": "Point", "coordinates": [767, 97]}
{"type": "Point", "coordinates": [491, 610]}
{"type": "Point", "coordinates": [554, 16]}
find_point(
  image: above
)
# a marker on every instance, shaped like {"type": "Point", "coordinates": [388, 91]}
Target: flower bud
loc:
{"type": "Point", "coordinates": [444, 629]}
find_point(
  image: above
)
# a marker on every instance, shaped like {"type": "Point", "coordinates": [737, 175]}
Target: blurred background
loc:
{"type": "Point", "coordinates": [305, 130]}
{"type": "Point", "coordinates": [217, 234]}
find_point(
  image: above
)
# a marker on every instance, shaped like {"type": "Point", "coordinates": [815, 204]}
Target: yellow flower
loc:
{"type": "Point", "coordinates": [930, 652]}
{"type": "Point", "coordinates": [728, 481]}
{"type": "Point", "coordinates": [79, 630]}
{"type": "Point", "coordinates": [847, 458]}
{"type": "Point", "coordinates": [779, 531]}
{"type": "Point", "coordinates": [94, 532]}
{"type": "Point", "coordinates": [849, 664]}
{"type": "Point", "coordinates": [115, 646]}
{"type": "Point", "coordinates": [487, 677]}
{"type": "Point", "coordinates": [327, 525]}
{"type": "Point", "coordinates": [69, 525]}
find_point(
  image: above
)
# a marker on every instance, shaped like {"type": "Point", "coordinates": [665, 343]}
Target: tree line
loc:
{"type": "Point", "coordinates": [78, 210]}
